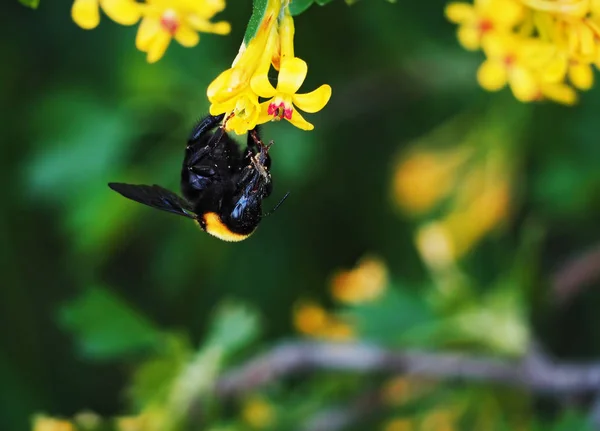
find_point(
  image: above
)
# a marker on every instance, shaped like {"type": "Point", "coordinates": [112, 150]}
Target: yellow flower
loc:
{"type": "Point", "coordinates": [283, 98]}
{"type": "Point", "coordinates": [236, 91]}
{"type": "Point", "coordinates": [314, 321]}
{"type": "Point", "coordinates": [364, 283]}
{"type": "Point", "coordinates": [42, 423]}
{"type": "Point", "coordinates": [399, 425]}
{"type": "Point", "coordinates": [258, 413]}
{"type": "Point", "coordinates": [560, 93]}
{"type": "Point", "coordinates": [86, 13]}
{"type": "Point", "coordinates": [514, 61]}
{"type": "Point", "coordinates": [443, 242]}
{"type": "Point", "coordinates": [482, 18]}
{"type": "Point", "coordinates": [131, 423]}
{"type": "Point", "coordinates": [179, 19]}
{"type": "Point", "coordinates": [310, 318]}
{"type": "Point", "coordinates": [230, 92]}
{"type": "Point", "coordinates": [424, 177]}
{"type": "Point", "coordinates": [571, 8]}
{"type": "Point", "coordinates": [337, 330]}
{"type": "Point", "coordinates": [439, 420]}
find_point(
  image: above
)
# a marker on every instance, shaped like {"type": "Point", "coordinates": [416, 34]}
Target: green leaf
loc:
{"type": "Point", "coordinates": [397, 317]}
{"type": "Point", "coordinates": [153, 380]}
{"type": "Point", "coordinates": [299, 6]}
{"type": "Point", "coordinates": [106, 327]}
{"type": "Point", "coordinates": [259, 8]}
{"type": "Point", "coordinates": [234, 326]}
{"type": "Point", "coordinates": [33, 4]}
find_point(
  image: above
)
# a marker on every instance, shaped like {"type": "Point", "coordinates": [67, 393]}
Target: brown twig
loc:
{"type": "Point", "coordinates": [535, 372]}
{"type": "Point", "coordinates": [576, 274]}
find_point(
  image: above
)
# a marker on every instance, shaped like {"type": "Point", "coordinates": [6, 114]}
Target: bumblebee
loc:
{"type": "Point", "coordinates": [223, 187]}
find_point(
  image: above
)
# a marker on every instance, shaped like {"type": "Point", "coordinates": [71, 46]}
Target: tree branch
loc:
{"type": "Point", "coordinates": [576, 274]}
{"type": "Point", "coordinates": [535, 372]}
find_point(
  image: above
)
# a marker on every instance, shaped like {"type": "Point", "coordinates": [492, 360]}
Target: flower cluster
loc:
{"type": "Point", "coordinates": [543, 49]}
{"type": "Point", "coordinates": [468, 193]}
{"type": "Point", "coordinates": [237, 90]}
{"type": "Point", "coordinates": [365, 283]}
{"type": "Point", "coordinates": [161, 20]}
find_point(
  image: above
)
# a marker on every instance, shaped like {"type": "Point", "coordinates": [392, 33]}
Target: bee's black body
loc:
{"type": "Point", "coordinates": [223, 188]}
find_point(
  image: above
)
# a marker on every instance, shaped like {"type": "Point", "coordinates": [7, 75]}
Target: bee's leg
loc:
{"type": "Point", "coordinates": [253, 140]}
{"type": "Point", "coordinates": [201, 142]}
{"type": "Point", "coordinates": [208, 123]}
{"type": "Point", "coordinates": [256, 146]}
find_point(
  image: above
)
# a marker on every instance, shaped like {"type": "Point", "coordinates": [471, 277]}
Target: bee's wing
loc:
{"type": "Point", "coordinates": [155, 197]}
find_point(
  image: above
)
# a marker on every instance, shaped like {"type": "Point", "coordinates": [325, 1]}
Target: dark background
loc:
{"type": "Point", "coordinates": [82, 108]}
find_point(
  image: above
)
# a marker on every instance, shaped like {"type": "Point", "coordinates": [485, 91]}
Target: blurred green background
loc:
{"type": "Point", "coordinates": [82, 108]}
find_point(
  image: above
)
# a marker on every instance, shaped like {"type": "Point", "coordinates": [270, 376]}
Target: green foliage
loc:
{"type": "Point", "coordinates": [299, 6]}
{"type": "Point", "coordinates": [398, 317]}
{"type": "Point", "coordinates": [106, 327]}
{"type": "Point", "coordinates": [33, 4]}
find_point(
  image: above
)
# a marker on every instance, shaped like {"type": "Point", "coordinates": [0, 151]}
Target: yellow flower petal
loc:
{"type": "Point", "coordinates": [85, 13]}
{"type": "Point", "coordinates": [469, 37]}
{"type": "Point", "coordinates": [507, 12]}
{"type": "Point", "coordinates": [581, 75]}
{"type": "Point", "coordinates": [492, 75]}
{"type": "Point", "coordinates": [555, 70]}
{"type": "Point", "coordinates": [560, 93]}
{"type": "Point", "coordinates": [313, 101]}
{"type": "Point", "coordinates": [286, 36]}
{"type": "Point", "coordinates": [299, 121]}
{"type": "Point", "coordinates": [186, 36]}
{"type": "Point", "coordinates": [260, 85]}
{"type": "Point", "coordinates": [147, 30]}
{"type": "Point", "coordinates": [217, 90]}
{"type": "Point", "coordinates": [124, 12]}
{"type": "Point", "coordinates": [239, 125]}
{"type": "Point", "coordinates": [495, 45]}
{"type": "Point", "coordinates": [523, 84]}
{"type": "Point", "coordinates": [158, 46]}
{"type": "Point", "coordinates": [264, 116]}
{"type": "Point", "coordinates": [460, 12]}
{"type": "Point", "coordinates": [586, 40]}
{"type": "Point", "coordinates": [292, 74]}
{"type": "Point", "coordinates": [205, 26]}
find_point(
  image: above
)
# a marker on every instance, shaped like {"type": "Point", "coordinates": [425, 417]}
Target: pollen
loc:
{"type": "Point", "coordinates": [280, 111]}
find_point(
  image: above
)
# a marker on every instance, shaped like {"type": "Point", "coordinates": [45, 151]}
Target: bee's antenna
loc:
{"type": "Point", "coordinates": [277, 206]}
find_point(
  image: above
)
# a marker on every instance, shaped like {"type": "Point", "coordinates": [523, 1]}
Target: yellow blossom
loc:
{"type": "Point", "coordinates": [572, 8]}
{"type": "Point", "coordinates": [364, 283]}
{"type": "Point", "coordinates": [314, 321]}
{"type": "Point", "coordinates": [42, 423]}
{"type": "Point", "coordinates": [236, 91]}
{"type": "Point", "coordinates": [283, 98]}
{"type": "Point", "coordinates": [424, 177]}
{"type": "Point", "coordinates": [513, 61]}
{"type": "Point", "coordinates": [439, 420]}
{"type": "Point", "coordinates": [258, 413]}
{"type": "Point", "coordinates": [399, 425]}
{"type": "Point", "coordinates": [230, 92]}
{"type": "Point", "coordinates": [310, 318]}
{"type": "Point", "coordinates": [443, 242]}
{"type": "Point", "coordinates": [337, 330]}
{"type": "Point", "coordinates": [482, 18]}
{"type": "Point", "coordinates": [292, 72]}
{"type": "Point", "coordinates": [534, 46]}
{"type": "Point", "coordinates": [164, 20]}
{"type": "Point", "coordinates": [86, 13]}
{"type": "Point", "coordinates": [131, 423]}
